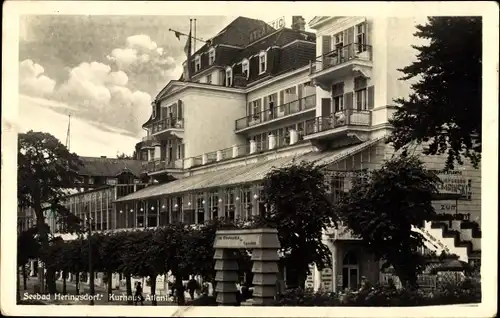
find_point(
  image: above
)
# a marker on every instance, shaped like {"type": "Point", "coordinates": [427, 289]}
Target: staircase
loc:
{"type": "Point", "coordinates": [459, 237]}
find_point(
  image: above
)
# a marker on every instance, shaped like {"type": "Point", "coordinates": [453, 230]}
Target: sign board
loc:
{"type": "Point", "coordinates": [455, 182]}
{"type": "Point", "coordinates": [238, 239]}
{"type": "Point", "coordinates": [327, 279]}
{"type": "Point", "coordinates": [266, 29]}
{"type": "Point", "coordinates": [310, 278]}
{"type": "Point", "coordinates": [445, 206]}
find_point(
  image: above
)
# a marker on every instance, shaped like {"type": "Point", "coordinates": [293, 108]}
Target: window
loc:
{"type": "Point", "coordinates": [200, 208]}
{"type": "Point", "coordinates": [256, 108]}
{"type": "Point", "coordinates": [338, 97]}
{"type": "Point", "coordinates": [361, 103]}
{"type": "Point", "coordinates": [209, 79]}
{"type": "Point", "coordinates": [229, 207]}
{"type": "Point", "coordinates": [245, 68]}
{"type": "Point", "coordinates": [246, 203]}
{"type": "Point", "coordinates": [197, 63]}
{"type": "Point", "coordinates": [262, 62]}
{"type": "Point", "coordinates": [229, 77]}
{"type": "Point", "coordinates": [213, 205]}
{"type": "Point", "coordinates": [361, 37]}
{"type": "Point", "coordinates": [338, 40]}
{"type": "Point", "coordinates": [360, 84]}
{"type": "Point", "coordinates": [211, 56]}
{"type": "Point", "coordinates": [91, 180]}
{"type": "Point", "coordinates": [180, 151]}
{"type": "Point", "coordinates": [337, 188]}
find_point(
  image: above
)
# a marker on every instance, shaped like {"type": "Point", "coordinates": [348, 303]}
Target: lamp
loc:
{"type": "Point", "coordinates": [141, 209]}
{"type": "Point", "coordinates": [237, 198]}
{"type": "Point", "coordinates": [255, 196]}
{"type": "Point", "coordinates": [121, 211]}
{"type": "Point", "coordinates": [189, 203]}
{"type": "Point", "coordinates": [163, 206]}
{"type": "Point", "coordinates": [131, 210]}
{"type": "Point", "coordinates": [220, 200]}
{"type": "Point", "coordinates": [176, 205]}
{"type": "Point", "coordinates": [203, 202]}
{"type": "Point", "coordinates": [152, 208]}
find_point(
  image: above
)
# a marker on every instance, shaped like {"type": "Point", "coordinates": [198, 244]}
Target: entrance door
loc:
{"type": "Point", "coordinates": [350, 271]}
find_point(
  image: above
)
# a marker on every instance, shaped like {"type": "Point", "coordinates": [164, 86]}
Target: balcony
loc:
{"type": "Point", "coordinates": [339, 123]}
{"type": "Point", "coordinates": [149, 142]}
{"type": "Point", "coordinates": [341, 62]}
{"type": "Point", "coordinates": [162, 165]}
{"type": "Point", "coordinates": [288, 110]}
{"type": "Point", "coordinates": [173, 125]}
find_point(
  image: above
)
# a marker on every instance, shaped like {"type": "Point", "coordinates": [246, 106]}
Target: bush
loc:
{"type": "Point", "coordinates": [467, 291]}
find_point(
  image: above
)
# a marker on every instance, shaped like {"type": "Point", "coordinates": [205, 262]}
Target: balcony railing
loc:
{"type": "Point", "coordinates": [166, 123]}
{"type": "Point", "coordinates": [159, 165]}
{"type": "Point", "coordinates": [341, 55]}
{"type": "Point", "coordinates": [293, 107]}
{"type": "Point", "coordinates": [344, 118]}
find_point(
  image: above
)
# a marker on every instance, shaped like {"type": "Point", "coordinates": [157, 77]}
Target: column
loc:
{"type": "Point", "coordinates": [226, 277]}
{"type": "Point", "coordinates": [204, 159]}
{"type": "Point", "coordinates": [272, 141]}
{"type": "Point", "coordinates": [253, 146]}
{"type": "Point", "coordinates": [265, 268]}
{"type": "Point", "coordinates": [235, 151]}
{"type": "Point", "coordinates": [294, 136]}
{"type": "Point", "coordinates": [219, 155]}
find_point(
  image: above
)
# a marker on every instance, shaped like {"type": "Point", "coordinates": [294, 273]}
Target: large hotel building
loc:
{"type": "Point", "coordinates": [254, 98]}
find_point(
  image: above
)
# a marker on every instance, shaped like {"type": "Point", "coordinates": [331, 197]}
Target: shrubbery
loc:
{"type": "Point", "coordinates": [467, 291]}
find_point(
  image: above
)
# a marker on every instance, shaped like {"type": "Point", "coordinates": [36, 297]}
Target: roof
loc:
{"type": "Point", "coordinates": [109, 167]}
{"type": "Point", "coordinates": [245, 174]}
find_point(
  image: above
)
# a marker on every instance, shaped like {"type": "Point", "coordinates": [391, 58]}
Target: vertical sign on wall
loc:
{"type": "Point", "coordinates": [310, 278]}
{"type": "Point", "coordinates": [327, 279]}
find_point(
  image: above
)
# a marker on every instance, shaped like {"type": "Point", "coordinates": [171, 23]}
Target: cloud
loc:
{"type": "Point", "coordinates": [116, 92]}
{"type": "Point", "coordinates": [146, 64]}
{"type": "Point", "coordinates": [32, 81]}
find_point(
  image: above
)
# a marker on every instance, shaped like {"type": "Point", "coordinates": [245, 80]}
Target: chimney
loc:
{"type": "Point", "coordinates": [298, 23]}
{"type": "Point", "coordinates": [103, 156]}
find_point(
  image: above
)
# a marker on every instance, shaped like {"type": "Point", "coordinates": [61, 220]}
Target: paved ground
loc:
{"type": "Point", "coordinates": [100, 294]}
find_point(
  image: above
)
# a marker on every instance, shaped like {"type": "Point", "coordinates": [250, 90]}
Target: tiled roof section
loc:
{"type": "Point", "coordinates": [108, 167]}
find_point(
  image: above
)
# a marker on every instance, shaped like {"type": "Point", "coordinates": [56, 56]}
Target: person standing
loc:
{"type": "Point", "coordinates": [138, 294]}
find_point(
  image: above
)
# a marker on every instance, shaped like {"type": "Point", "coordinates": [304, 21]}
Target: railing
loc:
{"type": "Point", "coordinates": [158, 165]}
{"type": "Point", "coordinates": [293, 107]}
{"type": "Point", "coordinates": [340, 119]}
{"type": "Point", "coordinates": [166, 123]}
{"type": "Point", "coordinates": [212, 157]}
{"type": "Point", "coordinates": [262, 145]}
{"type": "Point", "coordinates": [150, 141]}
{"type": "Point", "coordinates": [341, 55]}
{"type": "Point", "coordinates": [226, 153]}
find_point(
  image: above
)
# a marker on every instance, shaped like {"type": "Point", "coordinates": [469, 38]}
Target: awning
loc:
{"type": "Point", "coordinates": [244, 174]}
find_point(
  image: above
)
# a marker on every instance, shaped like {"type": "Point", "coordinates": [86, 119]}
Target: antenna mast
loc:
{"type": "Point", "coordinates": [68, 140]}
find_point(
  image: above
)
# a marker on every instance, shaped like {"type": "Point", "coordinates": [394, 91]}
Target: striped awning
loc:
{"type": "Point", "coordinates": [244, 174]}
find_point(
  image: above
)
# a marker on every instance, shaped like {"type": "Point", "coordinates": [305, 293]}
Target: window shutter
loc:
{"type": "Point", "coordinates": [327, 43]}
{"type": "Point", "coordinates": [367, 33]}
{"type": "Point", "coordinates": [254, 67]}
{"type": "Point", "coordinates": [249, 109]}
{"type": "Point", "coordinates": [179, 111]}
{"type": "Point", "coordinates": [350, 41]}
{"type": "Point", "coordinates": [371, 97]}
{"type": "Point", "coordinates": [348, 100]}
{"type": "Point", "coordinates": [359, 83]}
{"type": "Point", "coordinates": [338, 89]}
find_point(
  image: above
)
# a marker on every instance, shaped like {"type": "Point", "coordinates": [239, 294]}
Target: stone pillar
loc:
{"type": "Point", "coordinates": [32, 268]}
{"type": "Point", "coordinates": [265, 271]}
{"type": "Point", "coordinates": [265, 268]}
{"type": "Point", "coordinates": [219, 155]}
{"type": "Point", "coordinates": [188, 163]}
{"type": "Point", "coordinates": [235, 151]}
{"type": "Point", "coordinates": [253, 146]}
{"type": "Point", "coordinates": [272, 141]}
{"type": "Point", "coordinates": [294, 136]}
{"type": "Point", "coordinates": [226, 276]}
{"type": "Point", "coordinates": [204, 159]}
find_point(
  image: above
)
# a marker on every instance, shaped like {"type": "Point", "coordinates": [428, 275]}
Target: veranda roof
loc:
{"type": "Point", "coordinates": [244, 174]}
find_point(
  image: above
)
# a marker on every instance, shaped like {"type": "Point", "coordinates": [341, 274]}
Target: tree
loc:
{"type": "Point", "coordinates": [444, 109]}
{"type": "Point", "coordinates": [298, 206]}
{"type": "Point", "coordinates": [125, 156]}
{"type": "Point", "coordinates": [28, 248]}
{"type": "Point", "coordinates": [109, 249]}
{"type": "Point", "coordinates": [45, 169]}
{"type": "Point", "coordinates": [384, 207]}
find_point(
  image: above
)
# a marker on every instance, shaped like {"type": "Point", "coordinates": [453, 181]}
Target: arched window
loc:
{"type": "Point", "coordinates": [211, 56]}
{"type": "Point", "coordinates": [350, 258]}
{"type": "Point", "coordinates": [229, 77]}
{"type": "Point", "coordinates": [245, 67]}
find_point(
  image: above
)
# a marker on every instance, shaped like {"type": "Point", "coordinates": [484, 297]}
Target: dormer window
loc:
{"type": "Point", "coordinates": [211, 56]}
{"type": "Point", "coordinates": [262, 62]}
{"type": "Point", "coordinates": [229, 77]}
{"type": "Point", "coordinates": [153, 105]}
{"type": "Point", "coordinates": [197, 63]}
{"type": "Point", "coordinates": [245, 68]}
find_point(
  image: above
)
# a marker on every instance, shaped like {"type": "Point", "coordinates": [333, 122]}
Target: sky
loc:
{"type": "Point", "coordinates": [104, 71]}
